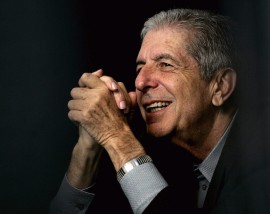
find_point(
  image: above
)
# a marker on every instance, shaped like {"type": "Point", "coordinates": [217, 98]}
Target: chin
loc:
{"type": "Point", "coordinates": [157, 132]}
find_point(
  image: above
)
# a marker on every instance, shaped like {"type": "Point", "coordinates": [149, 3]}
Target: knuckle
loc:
{"type": "Point", "coordinates": [122, 85]}
{"type": "Point", "coordinates": [70, 115]}
{"type": "Point", "coordinates": [69, 104]}
{"type": "Point", "coordinates": [104, 92]}
{"type": "Point", "coordinates": [84, 116]}
{"type": "Point", "coordinates": [72, 92]}
{"type": "Point", "coordinates": [84, 77]}
{"type": "Point", "coordinates": [106, 78]}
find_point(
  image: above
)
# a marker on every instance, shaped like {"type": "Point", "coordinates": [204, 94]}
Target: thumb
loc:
{"type": "Point", "coordinates": [98, 73]}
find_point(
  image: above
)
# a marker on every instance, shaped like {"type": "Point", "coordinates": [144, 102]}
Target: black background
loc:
{"type": "Point", "coordinates": [45, 46]}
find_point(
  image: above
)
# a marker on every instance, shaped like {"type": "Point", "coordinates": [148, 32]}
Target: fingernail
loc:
{"type": "Point", "coordinates": [122, 104]}
{"type": "Point", "coordinates": [114, 86]}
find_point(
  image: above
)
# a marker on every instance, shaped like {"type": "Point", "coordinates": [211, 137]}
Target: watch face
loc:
{"type": "Point", "coordinates": [128, 166]}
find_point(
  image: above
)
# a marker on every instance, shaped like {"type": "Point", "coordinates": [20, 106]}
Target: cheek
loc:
{"type": "Point", "coordinates": [191, 99]}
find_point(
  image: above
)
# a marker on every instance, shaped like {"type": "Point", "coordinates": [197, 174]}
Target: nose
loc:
{"type": "Point", "coordinates": [146, 79]}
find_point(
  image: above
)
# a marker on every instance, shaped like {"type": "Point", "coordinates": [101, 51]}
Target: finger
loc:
{"type": "Point", "coordinates": [79, 93]}
{"type": "Point", "coordinates": [78, 105]}
{"type": "Point", "coordinates": [133, 99]}
{"type": "Point", "coordinates": [98, 73]}
{"type": "Point", "coordinates": [118, 92]}
{"type": "Point", "coordinates": [123, 87]}
{"type": "Point", "coordinates": [76, 116]}
{"type": "Point", "coordinates": [90, 80]}
{"type": "Point", "coordinates": [110, 83]}
{"type": "Point", "coordinates": [120, 99]}
{"type": "Point", "coordinates": [125, 96]}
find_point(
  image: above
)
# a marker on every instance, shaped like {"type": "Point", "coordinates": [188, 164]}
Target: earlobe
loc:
{"type": "Point", "coordinates": [223, 86]}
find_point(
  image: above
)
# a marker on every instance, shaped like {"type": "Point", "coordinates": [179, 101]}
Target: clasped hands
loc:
{"type": "Point", "coordinates": [100, 105]}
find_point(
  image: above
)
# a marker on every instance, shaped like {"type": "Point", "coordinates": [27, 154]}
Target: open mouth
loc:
{"type": "Point", "coordinates": [156, 106]}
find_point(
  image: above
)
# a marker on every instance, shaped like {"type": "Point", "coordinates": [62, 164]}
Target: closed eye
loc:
{"type": "Point", "coordinates": [138, 70]}
{"type": "Point", "coordinates": [139, 65]}
{"type": "Point", "coordinates": [165, 67]}
{"type": "Point", "coordinates": [163, 64]}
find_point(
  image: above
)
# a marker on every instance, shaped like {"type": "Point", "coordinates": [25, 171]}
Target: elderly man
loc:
{"type": "Point", "coordinates": [185, 85]}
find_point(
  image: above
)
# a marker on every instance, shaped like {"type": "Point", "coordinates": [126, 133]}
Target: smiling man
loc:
{"type": "Point", "coordinates": [174, 96]}
{"type": "Point", "coordinates": [185, 82]}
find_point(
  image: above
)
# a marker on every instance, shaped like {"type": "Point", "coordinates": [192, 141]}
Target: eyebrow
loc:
{"type": "Point", "coordinates": [163, 56]}
{"type": "Point", "coordinates": [157, 58]}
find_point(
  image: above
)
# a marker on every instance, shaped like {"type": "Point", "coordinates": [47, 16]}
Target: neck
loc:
{"type": "Point", "coordinates": [200, 145]}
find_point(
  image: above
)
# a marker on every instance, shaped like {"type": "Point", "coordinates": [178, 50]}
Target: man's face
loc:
{"type": "Point", "coordinates": [170, 92]}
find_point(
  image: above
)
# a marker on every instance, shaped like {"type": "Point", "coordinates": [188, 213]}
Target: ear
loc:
{"type": "Point", "coordinates": [223, 84]}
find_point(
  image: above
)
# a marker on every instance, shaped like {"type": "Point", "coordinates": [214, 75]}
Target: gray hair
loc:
{"type": "Point", "coordinates": [212, 45]}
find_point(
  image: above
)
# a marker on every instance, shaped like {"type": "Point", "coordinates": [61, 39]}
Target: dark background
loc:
{"type": "Point", "coordinates": [45, 46]}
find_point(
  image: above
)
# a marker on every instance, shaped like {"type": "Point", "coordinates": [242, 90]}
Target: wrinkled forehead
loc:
{"type": "Point", "coordinates": [165, 39]}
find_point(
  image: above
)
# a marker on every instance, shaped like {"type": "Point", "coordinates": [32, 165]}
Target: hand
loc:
{"type": "Point", "coordinates": [94, 107]}
{"type": "Point", "coordinates": [124, 100]}
{"type": "Point", "coordinates": [87, 152]}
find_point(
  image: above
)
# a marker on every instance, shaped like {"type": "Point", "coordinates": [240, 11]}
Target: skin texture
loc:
{"type": "Point", "coordinates": [194, 116]}
{"type": "Point", "coordinates": [102, 124]}
{"type": "Point", "coordinates": [166, 72]}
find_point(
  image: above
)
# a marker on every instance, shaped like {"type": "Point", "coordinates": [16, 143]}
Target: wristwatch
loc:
{"type": "Point", "coordinates": [128, 166]}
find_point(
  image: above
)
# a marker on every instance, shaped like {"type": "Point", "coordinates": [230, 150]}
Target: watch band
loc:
{"type": "Point", "coordinates": [128, 166]}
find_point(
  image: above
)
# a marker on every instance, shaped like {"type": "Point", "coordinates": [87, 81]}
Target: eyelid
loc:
{"type": "Point", "coordinates": [138, 68]}
{"type": "Point", "coordinates": [166, 64]}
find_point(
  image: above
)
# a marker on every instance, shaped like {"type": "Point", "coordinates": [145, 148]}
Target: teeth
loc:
{"type": "Point", "coordinates": [157, 106]}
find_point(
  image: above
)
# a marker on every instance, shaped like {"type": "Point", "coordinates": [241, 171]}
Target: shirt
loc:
{"type": "Point", "coordinates": [207, 167]}
{"type": "Point", "coordinates": [144, 182]}
{"type": "Point", "coordinates": [140, 185]}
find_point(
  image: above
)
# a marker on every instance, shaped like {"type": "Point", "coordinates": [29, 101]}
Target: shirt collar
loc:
{"type": "Point", "coordinates": [207, 167]}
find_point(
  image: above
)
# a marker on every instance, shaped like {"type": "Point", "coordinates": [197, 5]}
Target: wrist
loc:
{"type": "Point", "coordinates": [133, 163]}
{"type": "Point", "coordinates": [83, 166]}
{"type": "Point", "coordinates": [87, 144]}
{"type": "Point", "coordinates": [123, 148]}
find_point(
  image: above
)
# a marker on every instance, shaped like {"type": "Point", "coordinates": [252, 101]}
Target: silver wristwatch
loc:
{"type": "Point", "coordinates": [128, 166]}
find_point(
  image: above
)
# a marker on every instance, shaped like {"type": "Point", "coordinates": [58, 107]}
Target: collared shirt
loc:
{"type": "Point", "coordinates": [140, 185]}
{"type": "Point", "coordinates": [207, 167]}
{"type": "Point", "coordinates": [144, 182]}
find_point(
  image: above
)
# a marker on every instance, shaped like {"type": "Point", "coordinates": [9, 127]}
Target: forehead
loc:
{"type": "Point", "coordinates": [167, 40]}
